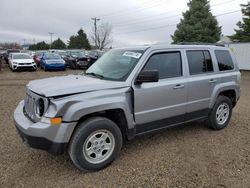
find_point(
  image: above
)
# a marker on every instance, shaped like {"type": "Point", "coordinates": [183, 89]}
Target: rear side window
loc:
{"type": "Point", "coordinates": [199, 61]}
{"type": "Point", "coordinates": [224, 60]}
{"type": "Point", "coordinates": [168, 64]}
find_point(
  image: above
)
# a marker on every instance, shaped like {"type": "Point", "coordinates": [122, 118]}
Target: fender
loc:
{"type": "Point", "coordinates": [88, 103]}
{"type": "Point", "coordinates": [223, 87]}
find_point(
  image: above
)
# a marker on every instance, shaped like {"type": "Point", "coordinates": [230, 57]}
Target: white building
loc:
{"type": "Point", "coordinates": [242, 54]}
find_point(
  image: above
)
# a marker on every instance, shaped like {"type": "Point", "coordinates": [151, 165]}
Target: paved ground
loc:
{"type": "Point", "coordinates": [187, 156]}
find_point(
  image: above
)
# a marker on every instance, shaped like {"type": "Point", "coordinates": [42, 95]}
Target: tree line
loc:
{"type": "Point", "coordinates": [100, 36]}
{"type": "Point", "coordinates": [79, 41]}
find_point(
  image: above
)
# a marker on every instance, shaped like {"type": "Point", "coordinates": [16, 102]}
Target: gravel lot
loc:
{"type": "Point", "coordinates": [187, 156]}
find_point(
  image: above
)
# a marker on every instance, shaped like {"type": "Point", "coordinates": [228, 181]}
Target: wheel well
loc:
{"type": "Point", "coordinates": [230, 94]}
{"type": "Point", "coordinates": [116, 115]}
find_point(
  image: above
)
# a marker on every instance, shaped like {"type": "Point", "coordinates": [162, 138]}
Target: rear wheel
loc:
{"type": "Point", "coordinates": [95, 144]}
{"type": "Point", "coordinates": [221, 113]}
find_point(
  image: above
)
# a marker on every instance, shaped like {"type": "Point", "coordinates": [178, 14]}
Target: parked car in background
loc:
{"type": "Point", "coordinates": [76, 59]}
{"type": "Point", "coordinates": [52, 61]}
{"type": "Point", "coordinates": [2, 52]}
{"type": "Point", "coordinates": [37, 57]}
{"type": "Point", "coordinates": [8, 52]}
{"type": "Point", "coordinates": [21, 61]}
{"type": "Point", "coordinates": [93, 55]}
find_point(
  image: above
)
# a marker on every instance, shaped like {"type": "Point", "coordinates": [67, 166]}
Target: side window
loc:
{"type": "Point", "coordinates": [168, 64]}
{"type": "Point", "coordinates": [199, 61]}
{"type": "Point", "coordinates": [224, 60]}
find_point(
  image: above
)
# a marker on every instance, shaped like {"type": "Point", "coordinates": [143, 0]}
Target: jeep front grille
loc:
{"type": "Point", "coordinates": [30, 105]}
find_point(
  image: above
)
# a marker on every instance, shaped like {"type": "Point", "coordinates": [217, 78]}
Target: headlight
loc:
{"type": "Point", "coordinates": [15, 63]}
{"type": "Point", "coordinates": [40, 107]}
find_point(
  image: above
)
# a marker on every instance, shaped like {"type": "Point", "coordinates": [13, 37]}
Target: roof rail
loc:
{"type": "Point", "coordinates": [201, 43]}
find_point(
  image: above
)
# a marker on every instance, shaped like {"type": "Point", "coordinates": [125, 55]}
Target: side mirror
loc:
{"type": "Point", "coordinates": [148, 76]}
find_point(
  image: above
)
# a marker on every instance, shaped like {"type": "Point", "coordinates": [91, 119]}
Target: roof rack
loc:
{"type": "Point", "coordinates": [201, 43]}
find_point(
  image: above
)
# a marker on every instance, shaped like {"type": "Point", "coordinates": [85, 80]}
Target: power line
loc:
{"type": "Point", "coordinates": [135, 10]}
{"type": "Point", "coordinates": [227, 13]}
{"type": "Point", "coordinates": [172, 25]}
{"type": "Point", "coordinates": [163, 18]}
{"type": "Point", "coordinates": [159, 3]}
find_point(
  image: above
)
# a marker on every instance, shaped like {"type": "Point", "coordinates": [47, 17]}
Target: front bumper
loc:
{"type": "Point", "coordinates": [53, 138]}
{"type": "Point", "coordinates": [82, 64]}
{"type": "Point", "coordinates": [24, 67]}
{"type": "Point", "coordinates": [55, 66]}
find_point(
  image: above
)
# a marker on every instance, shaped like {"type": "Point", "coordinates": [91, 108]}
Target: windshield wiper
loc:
{"type": "Point", "coordinates": [95, 75]}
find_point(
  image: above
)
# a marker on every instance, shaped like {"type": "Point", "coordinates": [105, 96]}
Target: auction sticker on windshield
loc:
{"type": "Point", "coordinates": [132, 54]}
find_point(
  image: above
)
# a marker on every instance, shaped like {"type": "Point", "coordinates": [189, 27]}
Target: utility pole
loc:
{"type": "Point", "coordinates": [51, 34]}
{"type": "Point", "coordinates": [95, 27]}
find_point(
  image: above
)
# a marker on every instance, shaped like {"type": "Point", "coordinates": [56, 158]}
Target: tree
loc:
{"type": "Point", "coordinates": [243, 33]}
{"type": "Point", "coordinates": [198, 24]}
{"type": "Point", "coordinates": [39, 46]}
{"type": "Point", "coordinates": [58, 44]}
{"type": "Point", "coordinates": [10, 45]}
{"type": "Point", "coordinates": [79, 41]}
{"type": "Point", "coordinates": [102, 37]}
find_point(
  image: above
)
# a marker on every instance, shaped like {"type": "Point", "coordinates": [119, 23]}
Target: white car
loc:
{"type": "Point", "coordinates": [22, 61]}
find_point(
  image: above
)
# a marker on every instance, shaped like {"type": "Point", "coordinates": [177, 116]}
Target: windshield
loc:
{"type": "Point", "coordinates": [78, 54]}
{"type": "Point", "coordinates": [21, 56]}
{"type": "Point", "coordinates": [62, 53]}
{"type": "Point", "coordinates": [40, 53]}
{"type": "Point", "coordinates": [52, 56]}
{"type": "Point", "coordinates": [116, 64]}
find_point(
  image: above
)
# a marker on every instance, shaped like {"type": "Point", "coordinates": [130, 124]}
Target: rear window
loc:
{"type": "Point", "coordinates": [224, 60]}
{"type": "Point", "coordinates": [199, 61]}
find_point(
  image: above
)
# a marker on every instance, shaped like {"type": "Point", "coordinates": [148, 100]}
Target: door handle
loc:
{"type": "Point", "coordinates": [212, 81]}
{"type": "Point", "coordinates": [179, 86]}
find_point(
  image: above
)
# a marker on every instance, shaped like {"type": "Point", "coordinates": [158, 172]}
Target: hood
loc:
{"type": "Point", "coordinates": [23, 60]}
{"type": "Point", "coordinates": [54, 60]}
{"type": "Point", "coordinates": [71, 84]}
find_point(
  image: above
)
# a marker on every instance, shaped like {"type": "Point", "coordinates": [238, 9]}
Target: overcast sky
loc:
{"type": "Point", "coordinates": [133, 21]}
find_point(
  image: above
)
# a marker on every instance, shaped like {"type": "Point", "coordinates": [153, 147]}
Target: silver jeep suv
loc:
{"type": "Point", "coordinates": [128, 92]}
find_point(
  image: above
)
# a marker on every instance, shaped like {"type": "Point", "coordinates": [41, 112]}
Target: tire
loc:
{"type": "Point", "coordinates": [219, 123]}
{"type": "Point", "coordinates": [94, 129]}
{"type": "Point", "coordinates": [72, 65]}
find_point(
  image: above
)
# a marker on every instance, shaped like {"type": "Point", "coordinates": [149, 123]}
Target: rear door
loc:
{"type": "Point", "coordinates": [201, 82]}
{"type": "Point", "coordinates": [164, 100]}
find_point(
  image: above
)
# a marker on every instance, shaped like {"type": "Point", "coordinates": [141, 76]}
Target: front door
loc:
{"type": "Point", "coordinates": [161, 103]}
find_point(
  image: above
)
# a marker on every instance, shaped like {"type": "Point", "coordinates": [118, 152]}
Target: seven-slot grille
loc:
{"type": "Point", "coordinates": [30, 105]}
{"type": "Point", "coordinates": [25, 63]}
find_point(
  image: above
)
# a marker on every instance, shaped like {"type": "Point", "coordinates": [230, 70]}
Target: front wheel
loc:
{"type": "Point", "coordinates": [221, 113]}
{"type": "Point", "coordinates": [95, 144]}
